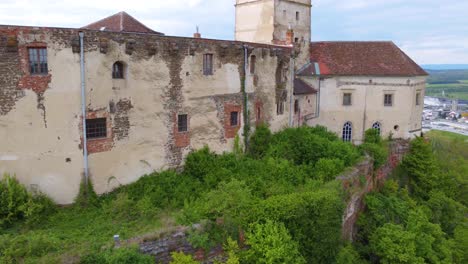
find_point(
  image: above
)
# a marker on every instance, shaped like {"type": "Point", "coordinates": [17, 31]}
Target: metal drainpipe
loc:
{"type": "Point", "coordinates": [291, 96]}
{"type": "Point", "coordinates": [83, 108]}
{"type": "Point", "coordinates": [246, 97]}
{"type": "Point", "coordinates": [317, 103]}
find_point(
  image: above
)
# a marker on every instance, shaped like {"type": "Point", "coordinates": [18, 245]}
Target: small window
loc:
{"type": "Point", "coordinates": [234, 119]}
{"type": "Point", "coordinates": [118, 70]}
{"type": "Point", "coordinates": [377, 126]}
{"type": "Point", "coordinates": [418, 99]}
{"type": "Point", "coordinates": [38, 61]}
{"type": "Point", "coordinates": [296, 106]}
{"type": "Point", "coordinates": [96, 128]}
{"type": "Point", "coordinates": [296, 40]}
{"type": "Point", "coordinates": [284, 13]}
{"type": "Point", "coordinates": [347, 99]}
{"type": "Point", "coordinates": [348, 132]}
{"type": "Point", "coordinates": [388, 100]}
{"type": "Point", "coordinates": [253, 61]}
{"type": "Point", "coordinates": [208, 64]}
{"type": "Point", "coordinates": [297, 16]}
{"type": "Point", "coordinates": [280, 108]}
{"type": "Point", "coordinates": [182, 123]}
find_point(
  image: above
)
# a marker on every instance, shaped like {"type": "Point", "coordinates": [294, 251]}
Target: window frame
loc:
{"type": "Point", "coordinates": [184, 126]}
{"type": "Point", "coordinates": [253, 61]}
{"type": "Point", "coordinates": [347, 132]}
{"type": "Point", "coordinates": [121, 67]}
{"type": "Point", "coordinates": [345, 103]}
{"type": "Point", "coordinates": [99, 129]}
{"type": "Point", "coordinates": [377, 126]}
{"type": "Point", "coordinates": [386, 103]}
{"type": "Point", "coordinates": [418, 98]}
{"type": "Point", "coordinates": [208, 68]}
{"type": "Point", "coordinates": [236, 113]}
{"type": "Point", "coordinates": [35, 53]}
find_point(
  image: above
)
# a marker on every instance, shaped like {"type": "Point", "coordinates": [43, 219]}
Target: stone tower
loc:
{"type": "Point", "coordinates": [268, 21]}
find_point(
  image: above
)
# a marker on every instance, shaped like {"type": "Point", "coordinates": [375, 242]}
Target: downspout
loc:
{"type": "Point", "coordinates": [83, 109]}
{"type": "Point", "coordinates": [245, 99]}
{"type": "Point", "coordinates": [317, 103]}
{"type": "Point", "coordinates": [291, 94]}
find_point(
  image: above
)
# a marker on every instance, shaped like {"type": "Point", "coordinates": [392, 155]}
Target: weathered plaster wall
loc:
{"type": "Point", "coordinates": [307, 109]}
{"type": "Point", "coordinates": [255, 20]}
{"type": "Point", "coordinates": [41, 115]}
{"type": "Point", "coordinates": [368, 105]}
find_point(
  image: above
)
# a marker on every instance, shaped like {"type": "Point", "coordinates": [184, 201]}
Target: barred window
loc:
{"type": "Point", "coordinates": [347, 99]}
{"type": "Point", "coordinates": [208, 64]}
{"type": "Point", "coordinates": [388, 100]}
{"type": "Point", "coordinates": [38, 61]}
{"type": "Point", "coordinates": [234, 119]}
{"type": "Point", "coordinates": [347, 132]}
{"type": "Point", "coordinates": [96, 128]}
{"type": "Point", "coordinates": [118, 70]}
{"type": "Point", "coordinates": [182, 123]}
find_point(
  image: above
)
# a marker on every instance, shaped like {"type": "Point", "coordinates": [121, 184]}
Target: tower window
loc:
{"type": "Point", "coordinates": [296, 106]}
{"type": "Point", "coordinates": [208, 64]}
{"type": "Point", "coordinates": [297, 16]}
{"type": "Point", "coordinates": [418, 98]}
{"type": "Point", "coordinates": [280, 108]}
{"type": "Point", "coordinates": [253, 60]}
{"type": "Point", "coordinates": [38, 61]}
{"type": "Point", "coordinates": [296, 40]}
{"type": "Point", "coordinates": [118, 70]}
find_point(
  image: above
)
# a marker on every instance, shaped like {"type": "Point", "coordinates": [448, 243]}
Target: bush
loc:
{"type": "Point", "coordinates": [377, 152]}
{"type": "Point", "coordinates": [181, 258]}
{"type": "Point", "coordinates": [21, 247]}
{"type": "Point", "coordinates": [260, 142]}
{"type": "Point", "coordinates": [117, 256]}
{"type": "Point", "coordinates": [17, 204]}
{"type": "Point", "coordinates": [348, 255]}
{"type": "Point", "coordinates": [372, 136]}
{"type": "Point", "coordinates": [328, 169]}
{"type": "Point", "coordinates": [271, 243]}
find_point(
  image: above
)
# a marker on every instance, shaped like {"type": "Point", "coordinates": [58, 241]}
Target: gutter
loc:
{"type": "Point", "coordinates": [246, 99]}
{"type": "Point", "coordinates": [83, 109]}
{"type": "Point", "coordinates": [291, 94]}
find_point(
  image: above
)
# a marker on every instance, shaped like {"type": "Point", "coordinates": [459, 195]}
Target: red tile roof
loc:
{"type": "Point", "coordinates": [120, 22]}
{"type": "Point", "coordinates": [361, 58]}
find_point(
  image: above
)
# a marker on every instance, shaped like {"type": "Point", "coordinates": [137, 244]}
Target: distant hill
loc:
{"type": "Point", "coordinates": [448, 83]}
{"type": "Point", "coordinates": [445, 66]}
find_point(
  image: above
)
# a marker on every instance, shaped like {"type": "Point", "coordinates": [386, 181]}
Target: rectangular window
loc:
{"type": "Point", "coordinates": [388, 100]}
{"type": "Point", "coordinates": [296, 106]}
{"type": "Point", "coordinates": [297, 16]}
{"type": "Point", "coordinates": [182, 123]}
{"type": "Point", "coordinates": [96, 128]}
{"type": "Point", "coordinates": [284, 13]}
{"type": "Point", "coordinates": [418, 99]}
{"type": "Point", "coordinates": [208, 64]}
{"type": "Point", "coordinates": [347, 99]}
{"type": "Point", "coordinates": [234, 119]}
{"type": "Point", "coordinates": [38, 61]}
{"type": "Point", "coordinates": [253, 60]}
{"type": "Point", "coordinates": [280, 108]}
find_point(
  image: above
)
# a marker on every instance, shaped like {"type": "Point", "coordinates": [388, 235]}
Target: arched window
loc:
{"type": "Point", "coordinates": [377, 126]}
{"type": "Point", "coordinates": [347, 132]}
{"type": "Point", "coordinates": [118, 70]}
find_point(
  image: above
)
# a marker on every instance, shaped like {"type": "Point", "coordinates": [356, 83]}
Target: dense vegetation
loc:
{"type": "Point", "coordinates": [280, 196]}
{"type": "Point", "coordinates": [454, 83]}
{"type": "Point", "coordinates": [420, 216]}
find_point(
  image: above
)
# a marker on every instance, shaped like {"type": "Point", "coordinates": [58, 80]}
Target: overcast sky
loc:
{"type": "Point", "coordinates": [430, 31]}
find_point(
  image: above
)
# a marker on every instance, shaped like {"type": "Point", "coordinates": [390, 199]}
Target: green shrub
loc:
{"type": "Point", "coordinates": [372, 136]}
{"type": "Point", "coordinates": [200, 163]}
{"type": "Point", "coordinates": [17, 204]}
{"type": "Point", "coordinates": [128, 256]}
{"type": "Point", "coordinates": [94, 258]}
{"type": "Point", "coordinates": [260, 142]}
{"type": "Point", "coordinates": [378, 152]}
{"type": "Point", "coordinates": [181, 258]}
{"type": "Point", "coordinates": [328, 169]}
{"type": "Point", "coordinates": [348, 255]}
{"type": "Point", "coordinates": [86, 196]}
{"type": "Point", "coordinates": [271, 243]}
{"type": "Point", "coordinates": [20, 247]}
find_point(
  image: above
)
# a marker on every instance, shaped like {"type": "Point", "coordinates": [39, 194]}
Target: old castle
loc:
{"type": "Point", "coordinates": [149, 99]}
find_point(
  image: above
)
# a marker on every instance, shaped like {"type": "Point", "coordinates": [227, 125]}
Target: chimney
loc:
{"type": "Point", "coordinates": [197, 34]}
